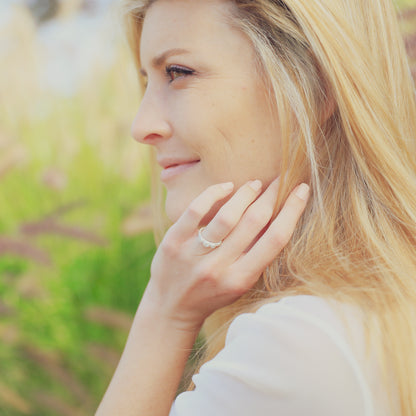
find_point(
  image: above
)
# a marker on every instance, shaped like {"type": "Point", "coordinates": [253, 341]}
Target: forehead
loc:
{"type": "Point", "coordinates": [188, 24]}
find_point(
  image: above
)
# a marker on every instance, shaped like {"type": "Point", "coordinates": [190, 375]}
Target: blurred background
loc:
{"type": "Point", "coordinates": [75, 221]}
{"type": "Point", "coordinates": [75, 224]}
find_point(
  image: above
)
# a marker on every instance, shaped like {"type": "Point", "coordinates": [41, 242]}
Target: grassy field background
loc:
{"type": "Point", "coordinates": [75, 228]}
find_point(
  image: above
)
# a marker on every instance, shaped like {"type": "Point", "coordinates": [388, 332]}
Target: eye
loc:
{"type": "Point", "coordinates": [174, 72]}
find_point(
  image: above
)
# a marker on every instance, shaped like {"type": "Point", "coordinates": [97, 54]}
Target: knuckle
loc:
{"type": "Point", "coordinates": [170, 247]}
{"type": "Point", "coordinates": [225, 221]}
{"type": "Point", "coordinates": [258, 217]}
{"type": "Point", "coordinates": [237, 288]}
{"type": "Point", "coordinates": [279, 239]}
{"type": "Point", "coordinates": [266, 213]}
{"type": "Point", "coordinates": [193, 211]}
{"type": "Point", "coordinates": [207, 273]}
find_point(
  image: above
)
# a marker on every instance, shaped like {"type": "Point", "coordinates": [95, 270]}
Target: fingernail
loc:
{"type": "Point", "coordinates": [255, 185]}
{"type": "Point", "coordinates": [302, 192]}
{"type": "Point", "coordinates": [228, 186]}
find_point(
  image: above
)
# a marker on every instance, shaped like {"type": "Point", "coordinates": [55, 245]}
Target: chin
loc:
{"type": "Point", "coordinates": [174, 209]}
{"type": "Point", "coordinates": [178, 200]}
{"type": "Point", "coordinates": [178, 197]}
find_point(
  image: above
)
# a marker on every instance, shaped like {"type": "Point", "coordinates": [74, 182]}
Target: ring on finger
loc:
{"type": "Point", "coordinates": [206, 243]}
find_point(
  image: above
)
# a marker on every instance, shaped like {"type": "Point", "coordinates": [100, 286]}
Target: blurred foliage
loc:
{"type": "Point", "coordinates": [43, 10]}
{"type": "Point", "coordinates": [75, 228]}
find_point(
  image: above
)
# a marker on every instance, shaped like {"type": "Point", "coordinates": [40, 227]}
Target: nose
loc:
{"type": "Point", "coordinates": [150, 124]}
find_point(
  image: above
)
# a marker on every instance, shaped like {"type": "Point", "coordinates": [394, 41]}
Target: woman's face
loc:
{"type": "Point", "coordinates": [205, 109]}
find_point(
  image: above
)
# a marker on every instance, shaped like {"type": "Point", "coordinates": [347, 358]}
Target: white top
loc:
{"type": "Point", "coordinates": [295, 357]}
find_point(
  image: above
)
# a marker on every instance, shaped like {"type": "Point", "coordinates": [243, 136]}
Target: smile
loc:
{"type": "Point", "coordinates": [175, 169]}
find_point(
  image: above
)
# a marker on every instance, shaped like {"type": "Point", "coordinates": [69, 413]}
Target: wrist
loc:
{"type": "Point", "coordinates": [156, 317]}
{"type": "Point", "coordinates": [156, 308]}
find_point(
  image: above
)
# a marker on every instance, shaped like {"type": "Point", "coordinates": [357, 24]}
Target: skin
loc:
{"type": "Point", "coordinates": [218, 114]}
{"type": "Point", "coordinates": [214, 118]}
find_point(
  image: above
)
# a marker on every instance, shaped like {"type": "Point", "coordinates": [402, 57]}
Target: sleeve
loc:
{"type": "Point", "coordinates": [279, 361]}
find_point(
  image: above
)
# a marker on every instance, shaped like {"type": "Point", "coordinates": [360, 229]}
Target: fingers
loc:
{"type": "Point", "coordinates": [276, 236]}
{"type": "Point", "coordinates": [230, 214]}
{"type": "Point", "coordinates": [203, 280]}
{"type": "Point", "coordinates": [255, 218]}
{"type": "Point", "coordinates": [200, 207]}
{"type": "Point", "coordinates": [241, 220]}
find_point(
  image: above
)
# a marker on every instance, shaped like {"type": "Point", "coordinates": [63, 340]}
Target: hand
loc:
{"type": "Point", "coordinates": [189, 281]}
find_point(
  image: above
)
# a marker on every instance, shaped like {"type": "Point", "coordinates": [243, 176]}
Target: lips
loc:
{"type": "Point", "coordinates": [170, 162]}
{"type": "Point", "coordinates": [172, 167]}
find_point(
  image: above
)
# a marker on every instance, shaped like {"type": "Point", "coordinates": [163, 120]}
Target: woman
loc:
{"type": "Point", "coordinates": [308, 305]}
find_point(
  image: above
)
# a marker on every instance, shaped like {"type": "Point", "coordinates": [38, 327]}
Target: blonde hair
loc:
{"type": "Point", "coordinates": [346, 105]}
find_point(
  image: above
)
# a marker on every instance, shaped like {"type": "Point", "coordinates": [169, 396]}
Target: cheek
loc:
{"type": "Point", "coordinates": [232, 133]}
{"type": "Point", "coordinates": [204, 123]}
{"type": "Point", "coordinates": [247, 145]}
{"type": "Point", "coordinates": [212, 103]}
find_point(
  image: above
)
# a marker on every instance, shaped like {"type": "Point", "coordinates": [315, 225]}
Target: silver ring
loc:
{"type": "Point", "coordinates": [206, 243]}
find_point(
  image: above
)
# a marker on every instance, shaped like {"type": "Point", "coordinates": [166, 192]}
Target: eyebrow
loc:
{"type": "Point", "coordinates": [159, 59]}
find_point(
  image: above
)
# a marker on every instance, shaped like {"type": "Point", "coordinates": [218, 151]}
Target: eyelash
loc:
{"type": "Point", "coordinates": [175, 69]}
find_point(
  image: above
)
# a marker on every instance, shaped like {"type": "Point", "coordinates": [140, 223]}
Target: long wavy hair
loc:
{"type": "Point", "coordinates": [347, 111]}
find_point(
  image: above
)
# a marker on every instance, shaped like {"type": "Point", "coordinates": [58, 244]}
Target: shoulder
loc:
{"type": "Point", "coordinates": [323, 316]}
{"type": "Point", "coordinates": [298, 319]}
{"type": "Point", "coordinates": [301, 355]}
{"type": "Point", "coordinates": [311, 345]}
